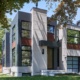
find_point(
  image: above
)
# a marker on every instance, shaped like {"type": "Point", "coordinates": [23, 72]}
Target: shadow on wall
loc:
{"type": "Point", "coordinates": [72, 52]}
{"type": "Point", "coordinates": [63, 48]}
{"type": "Point", "coordinates": [42, 27]}
{"type": "Point", "coordinates": [38, 59]}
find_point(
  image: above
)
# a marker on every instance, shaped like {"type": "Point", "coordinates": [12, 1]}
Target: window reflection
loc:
{"type": "Point", "coordinates": [50, 29]}
{"type": "Point", "coordinates": [73, 36]}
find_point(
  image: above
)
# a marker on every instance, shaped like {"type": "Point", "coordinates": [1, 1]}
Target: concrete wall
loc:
{"type": "Point", "coordinates": [63, 48]}
{"type": "Point", "coordinates": [39, 32]}
{"type": "Point", "coordinates": [17, 71]}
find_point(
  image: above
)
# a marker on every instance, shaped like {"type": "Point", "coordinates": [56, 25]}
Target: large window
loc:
{"type": "Point", "coordinates": [73, 36]}
{"type": "Point", "coordinates": [26, 50]}
{"type": "Point", "coordinates": [13, 57]}
{"type": "Point", "coordinates": [26, 55]}
{"type": "Point", "coordinates": [72, 64]}
{"type": "Point", "coordinates": [50, 29]}
{"type": "Point", "coordinates": [13, 33]}
{"type": "Point", "coordinates": [26, 34]}
{"type": "Point", "coordinates": [26, 27]}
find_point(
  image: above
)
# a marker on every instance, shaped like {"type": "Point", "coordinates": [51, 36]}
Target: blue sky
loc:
{"type": "Point", "coordinates": [42, 5]}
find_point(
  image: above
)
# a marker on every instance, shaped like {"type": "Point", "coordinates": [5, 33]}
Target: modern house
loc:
{"type": "Point", "coordinates": [35, 49]}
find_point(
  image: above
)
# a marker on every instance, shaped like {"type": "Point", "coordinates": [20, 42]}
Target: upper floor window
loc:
{"type": "Point", "coordinates": [13, 33]}
{"type": "Point", "coordinates": [13, 29]}
{"type": "Point", "coordinates": [73, 36]}
{"type": "Point", "coordinates": [26, 25]}
{"type": "Point", "coordinates": [26, 34]}
{"type": "Point", "coordinates": [26, 29]}
{"type": "Point", "coordinates": [50, 29]}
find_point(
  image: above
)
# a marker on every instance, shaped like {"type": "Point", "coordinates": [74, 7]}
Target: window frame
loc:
{"type": "Point", "coordinates": [72, 63]}
{"type": "Point", "coordinates": [29, 24]}
{"type": "Point", "coordinates": [26, 29]}
{"type": "Point", "coordinates": [26, 57]}
{"type": "Point", "coordinates": [72, 37]}
{"type": "Point", "coordinates": [53, 29]}
{"type": "Point", "coordinates": [13, 33]}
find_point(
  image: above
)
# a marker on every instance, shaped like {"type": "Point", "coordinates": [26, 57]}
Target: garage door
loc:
{"type": "Point", "coordinates": [72, 64]}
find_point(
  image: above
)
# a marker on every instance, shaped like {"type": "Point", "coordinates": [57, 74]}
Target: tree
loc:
{"type": "Point", "coordinates": [1, 36]}
{"type": "Point", "coordinates": [65, 11]}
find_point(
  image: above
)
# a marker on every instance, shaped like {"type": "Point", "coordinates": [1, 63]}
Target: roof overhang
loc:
{"type": "Point", "coordinates": [49, 44]}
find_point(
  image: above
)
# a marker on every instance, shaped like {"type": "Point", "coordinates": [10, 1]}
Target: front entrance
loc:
{"type": "Point", "coordinates": [50, 58]}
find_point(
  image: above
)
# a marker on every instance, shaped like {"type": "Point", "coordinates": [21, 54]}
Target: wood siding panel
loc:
{"type": "Point", "coordinates": [25, 41]}
{"type": "Point", "coordinates": [50, 37]}
{"type": "Point", "coordinates": [73, 46]}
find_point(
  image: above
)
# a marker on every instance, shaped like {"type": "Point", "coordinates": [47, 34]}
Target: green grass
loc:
{"type": "Point", "coordinates": [58, 77]}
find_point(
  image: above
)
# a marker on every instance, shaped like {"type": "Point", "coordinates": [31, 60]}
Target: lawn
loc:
{"type": "Point", "coordinates": [6, 77]}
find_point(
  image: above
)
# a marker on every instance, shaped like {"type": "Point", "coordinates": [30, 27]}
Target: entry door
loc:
{"type": "Point", "coordinates": [50, 61]}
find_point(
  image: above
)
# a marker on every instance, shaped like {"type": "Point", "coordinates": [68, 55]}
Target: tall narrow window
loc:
{"type": "Point", "coordinates": [26, 50]}
{"type": "Point", "coordinates": [13, 57]}
{"type": "Point", "coordinates": [13, 33]}
{"type": "Point", "coordinates": [26, 25]}
{"type": "Point", "coordinates": [4, 55]}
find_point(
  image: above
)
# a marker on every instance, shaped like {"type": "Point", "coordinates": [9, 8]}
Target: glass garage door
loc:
{"type": "Point", "coordinates": [72, 64]}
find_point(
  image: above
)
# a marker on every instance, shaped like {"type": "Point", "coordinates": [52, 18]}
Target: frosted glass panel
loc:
{"type": "Point", "coordinates": [75, 58]}
{"type": "Point", "coordinates": [75, 62]}
{"type": "Point", "coordinates": [75, 66]}
{"type": "Point", "coordinates": [75, 70]}
{"type": "Point", "coordinates": [69, 70]}
{"type": "Point", "coordinates": [69, 66]}
{"type": "Point", "coordinates": [69, 58]}
{"type": "Point", "coordinates": [69, 62]}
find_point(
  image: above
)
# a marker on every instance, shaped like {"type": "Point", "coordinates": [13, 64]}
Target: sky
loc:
{"type": "Point", "coordinates": [42, 5]}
